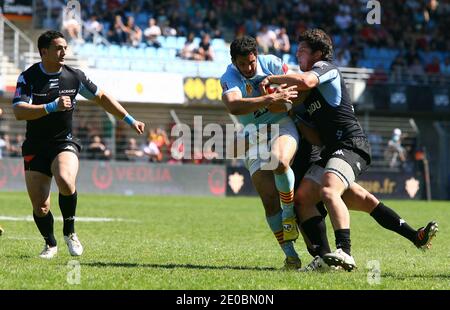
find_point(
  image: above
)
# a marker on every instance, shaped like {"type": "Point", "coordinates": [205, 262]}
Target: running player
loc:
{"type": "Point", "coordinates": [45, 98]}
{"type": "Point", "coordinates": [242, 97]}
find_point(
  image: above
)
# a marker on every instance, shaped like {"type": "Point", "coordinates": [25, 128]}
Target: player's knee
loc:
{"type": "Point", "coordinates": [41, 209]}
{"type": "Point", "coordinates": [303, 198]}
{"type": "Point", "coordinates": [65, 183]}
{"type": "Point", "coordinates": [328, 194]}
{"type": "Point", "coordinates": [283, 165]}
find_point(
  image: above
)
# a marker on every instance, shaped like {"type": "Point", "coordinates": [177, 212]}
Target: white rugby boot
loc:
{"type": "Point", "coordinates": [74, 245]}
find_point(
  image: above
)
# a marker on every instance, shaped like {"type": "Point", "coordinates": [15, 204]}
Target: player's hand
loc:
{"type": "Point", "coordinates": [139, 127]}
{"type": "Point", "coordinates": [283, 94]}
{"type": "Point", "coordinates": [264, 86]}
{"type": "Point", "coordinates": [64, 103]}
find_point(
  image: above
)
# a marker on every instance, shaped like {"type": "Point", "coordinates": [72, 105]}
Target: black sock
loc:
{"type": "Point", "coordinates": [343, 240]}
{"type": "Point", "coordinates": [45, 226]}
{"type": "Point", "coordinates": [313, 251]}
{"type": "Point", "coordinates": [387, 218]}
{"type": "Point", "coordinates": [316, 231]}
{"type": "Point", "coordinates": [68, 205]}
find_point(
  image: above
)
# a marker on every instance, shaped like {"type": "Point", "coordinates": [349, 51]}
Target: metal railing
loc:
{"type": "Point", "coordinates": [18, 38]}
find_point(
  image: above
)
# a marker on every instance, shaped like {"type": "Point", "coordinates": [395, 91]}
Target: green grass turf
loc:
{"type": "Point", "coordinates": [208, 243]}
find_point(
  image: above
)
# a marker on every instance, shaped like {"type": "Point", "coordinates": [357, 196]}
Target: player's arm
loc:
{"type": "Point", "coordinates": [306, 128]}
{"type": "Point", "coordinates": [237, 105]}
{"type": "Point", "coordinates": [111, 105]}
{"type": "Point", "coordinates": [90, 91]}
{"type": "Point", "coordinates": [24, 109]}
{"type": "Point", "coordinates": [303, 81]}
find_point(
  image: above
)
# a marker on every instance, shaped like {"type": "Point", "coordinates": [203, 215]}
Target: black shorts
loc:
{"type": "Point", "coordinates": [355, 152]}
{"type": "Point", "coordinates": [40, 160]}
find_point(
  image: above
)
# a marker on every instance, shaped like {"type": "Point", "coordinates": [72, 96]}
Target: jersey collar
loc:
{"type": "Point", "coordinates": [43, 70]}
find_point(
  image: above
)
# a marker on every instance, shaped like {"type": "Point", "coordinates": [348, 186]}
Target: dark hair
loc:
{"type": "Point", "coordinates": [243, 46]}
{"type": "Point", "coordinates": [46, 38]}
{"type": "Point", "coordinates": [318, 40]}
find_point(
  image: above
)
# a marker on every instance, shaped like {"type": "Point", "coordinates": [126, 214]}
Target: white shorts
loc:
{"type": "Point", "coordinates": [258, 155]}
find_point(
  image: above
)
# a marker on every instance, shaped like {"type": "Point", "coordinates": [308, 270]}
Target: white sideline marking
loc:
{"type": "Point", "coordinates": [29, 218]}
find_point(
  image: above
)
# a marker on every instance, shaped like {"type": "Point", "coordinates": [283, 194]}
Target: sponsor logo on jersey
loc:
{"type": "Point", "coordinates": [339, 152]}
{"type": "Point", "coordinates": [67, 91]}
{"type": "Point", "coordinates": [248, 88]}
{"type": "Point", "coordinates": [53, 85]}
{"type": "Point", "coordinates": [313, 107]}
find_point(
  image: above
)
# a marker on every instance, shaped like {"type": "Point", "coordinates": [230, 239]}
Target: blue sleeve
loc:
{"type": "Point", "coordinates": [325, 71]}
{"type": "Point", "coordinates": [276, 65]}
{"type": "Point", "coordinates": [23, 91]}
{"type": "Point", "coordinates": [230, 83]}
{"type": "Point", "coordinates": [87, 88]}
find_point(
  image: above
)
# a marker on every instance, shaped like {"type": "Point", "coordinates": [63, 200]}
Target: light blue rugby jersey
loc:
{"type": "Point", "coordinates": [232, 80]}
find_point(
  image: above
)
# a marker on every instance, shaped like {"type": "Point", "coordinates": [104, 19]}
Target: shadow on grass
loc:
{"type": "Point", "coordinates": [173, 266]}
{"type": "Point", "coordinates": [412, 276]}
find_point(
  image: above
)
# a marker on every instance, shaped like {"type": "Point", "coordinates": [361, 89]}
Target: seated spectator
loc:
{"type": "Point", "coordinates": [133, 32]}
{"type": "Point", "coordinates": [395, 150]}
{"type": "Point", "coordinates": [151, 149]}
{"type": "Point", "coordinates": [189, 50]}
{"type": "Point", "coordinates": [151, 33]}
{"type": "Point", "coordinates": [116, 33]}
{"type": "Point", "coordinates": [133, 151]}
{"type": "Point", "coordinates": [342, 58]}
{"type": "Point", "coordinates": [266, 40]}
{"type": "Point", "coordinates": [92, 29]}
{"type": "Point", "coordinates": [205, 49]}
{"type": "Point", "coordinates": [283, 46]}
{"type": "Point", "coordinates": [98, 150]}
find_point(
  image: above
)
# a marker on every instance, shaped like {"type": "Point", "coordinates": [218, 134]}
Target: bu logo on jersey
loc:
{"type": "Point", "coordinates": [314, 107]}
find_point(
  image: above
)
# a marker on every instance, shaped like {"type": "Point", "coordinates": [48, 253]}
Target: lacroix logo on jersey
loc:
{"type": "Point", "coordinates": [67, 91]}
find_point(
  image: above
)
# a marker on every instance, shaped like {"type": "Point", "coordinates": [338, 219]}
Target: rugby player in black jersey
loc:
{"type": "Point", "coordinates": [355, 197]}
{"type": "Point", "coordinates": [45, 98]}
{"type": "Point", "coordinates": [346, 152]}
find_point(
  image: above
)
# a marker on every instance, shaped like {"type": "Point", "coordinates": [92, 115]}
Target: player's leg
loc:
{"type": "Point", "coordinates": [313, 227]}
{"type": "Point", "coordinates": [264, 182]}
{"type": "Point", "coordinates": [359, 199]}
{"type": "Point", "coordinates": [65, 169]}
{"type": "Point", "coordinates": [312, 223]}
{"type": "Point", "coordinates": [283, 150]}
{"type": "Point", "coordinates": [338, 176]}
{"type": "Point", "coordinates": [38, 187]}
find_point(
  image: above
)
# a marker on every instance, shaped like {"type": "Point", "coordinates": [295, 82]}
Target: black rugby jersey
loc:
{"type": "Point", "coordinates": [35, 86]}
{"type": "Point", "coordinates": [330, 108]}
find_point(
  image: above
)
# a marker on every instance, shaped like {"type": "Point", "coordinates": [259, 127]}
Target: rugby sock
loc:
{"type": "Point", "coordinates": [285, 186]}
{"type": "Point", "coordinates": [45, 226]}
{"type": "Point", "coordinates": [388, 219]}
{"type": "Point", "coordinates": [343, 240]}
{"type": "Point", "coordinates": [68, 205]}
{"type": "Point", "coordinates": [316, 231]}
{"type": "Point", "coordinates": [277, 229]}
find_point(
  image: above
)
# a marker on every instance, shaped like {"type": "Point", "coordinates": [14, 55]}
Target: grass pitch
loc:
{"type": "Point", "coordinates": [207, 243]}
